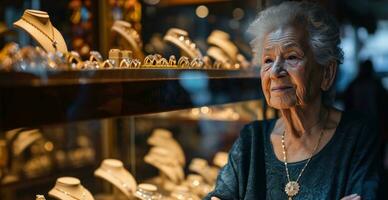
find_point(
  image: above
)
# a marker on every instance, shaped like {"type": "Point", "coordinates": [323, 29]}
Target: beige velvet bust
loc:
{"type": "Point", "coordinates": [38, 25]}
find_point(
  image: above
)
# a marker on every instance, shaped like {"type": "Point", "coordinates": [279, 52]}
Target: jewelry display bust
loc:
{"type": "Point", "coordinates": [166, 162]}
{"type": "Point", "coordinates": [163, 138]}
{"type": "Point", "coordinates": [201, 167]}
{"type": "Point", "coordinates": [220, 159]}
{"type": "Point", "coordinates": [38, 25]}
{"type": "Point", "coordinates": [147, 191]}
{"type": "Point", "coordinates": [114, 172]}
{"type": "Point", "coordinates": [70, 188]}
{"type": "Point", "coordinates": [24, 140]}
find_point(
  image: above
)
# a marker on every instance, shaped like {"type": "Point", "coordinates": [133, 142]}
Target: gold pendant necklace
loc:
{"type": "Point", "coordinates": [292, 187]}
{"type": "Point", "coordinates": [53, 42]}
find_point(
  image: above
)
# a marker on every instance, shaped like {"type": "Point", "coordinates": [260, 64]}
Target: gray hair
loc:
{"type": "Point", "coordinates": [322, 28]}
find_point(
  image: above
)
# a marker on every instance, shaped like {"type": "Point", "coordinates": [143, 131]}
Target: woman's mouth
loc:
{"type": "Point", "coordinates": [281, 88]}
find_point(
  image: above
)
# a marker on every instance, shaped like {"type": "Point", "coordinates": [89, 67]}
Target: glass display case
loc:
{"type": "Point", "coordinates": [75, 123]}
{"type": "Point", "coordinates": [150, 115]}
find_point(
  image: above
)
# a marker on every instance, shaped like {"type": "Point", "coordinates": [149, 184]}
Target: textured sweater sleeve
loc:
{"type": "Point", "coordinates": [364, 172]}
{"type": "Point", "coordinates": [227, 181]}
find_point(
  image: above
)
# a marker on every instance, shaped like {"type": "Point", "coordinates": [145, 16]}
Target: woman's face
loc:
{"type": "Point", "coordinates": [290, 76]}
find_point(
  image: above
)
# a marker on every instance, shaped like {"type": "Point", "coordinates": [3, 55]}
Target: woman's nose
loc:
{"type": "Point", "coordinates": [277, 69]}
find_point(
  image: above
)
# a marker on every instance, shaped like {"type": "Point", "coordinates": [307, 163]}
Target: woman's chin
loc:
{"type": "Point", "coordinates": [281, 104]}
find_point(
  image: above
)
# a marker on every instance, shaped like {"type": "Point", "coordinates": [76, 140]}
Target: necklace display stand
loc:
{"type": "Point", "coordinates": [114, 172]}
{"type": "Point", "coordinates": [37, 24]}
{"type": "Point", "coordinates": [24, 140]}
{"type": "Point", "coordinates": [163, 138]}
{"type": "Point", "coordinates": [70, 188]}
{"type": "Point", "coordinates": [167, 164]}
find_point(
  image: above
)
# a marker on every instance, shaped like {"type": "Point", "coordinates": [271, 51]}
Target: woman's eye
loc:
{"type": "Point", "coordinates": [292, 57]}
{"type": "Point", "coordinates": [268, 60]}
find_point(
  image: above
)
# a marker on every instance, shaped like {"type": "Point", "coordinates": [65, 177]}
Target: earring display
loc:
{"type": "Point", "coordinates": [114, 172]}
{"type": "Point", "coordinates": [70, 188]}
{"type": "Point", "coordinates": [38, 25]}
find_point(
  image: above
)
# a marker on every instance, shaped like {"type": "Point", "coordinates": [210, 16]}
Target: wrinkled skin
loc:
{"type": "Point", "coordinates": [290, 76]}
{"type": "Point", "coordinates": [292, 81]}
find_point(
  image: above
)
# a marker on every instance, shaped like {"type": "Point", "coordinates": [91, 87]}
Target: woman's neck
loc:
{"type": "Point", "coordinates": [302, 120]}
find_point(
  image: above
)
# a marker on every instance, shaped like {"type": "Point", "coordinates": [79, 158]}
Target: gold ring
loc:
{"type": "Point", "coordinates": [227, 65]}
{"type": "Point", "coordinates": [207, 62]}
{"type": "Point", "coordinates": [157, 57]}
{"type": "Point", "coordinates": [107, 64]}
{"type": "Point", "coordinates": [172, 60]}
{"type": "Point", "coordinates": [135, 63]}
{"type": "Point", "coordinates": [217, 64]}
{"type": "Point", "coordinates": [196, 63]}
{"type": "Point", "coordinates": [162, 62]}
{"type": "Point", "coordinates": [90, 65]}
{"type": "Point", "coordinates": [184, 62]}
{"type": "Point", "coordinates": [149, 60]}
{"type": "Point", "coordinates": [95, 56]}
{"type": "Point", "coordinates": [125, 63]}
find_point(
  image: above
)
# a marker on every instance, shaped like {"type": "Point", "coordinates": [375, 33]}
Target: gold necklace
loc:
{"type": "Point", "coordinates": [292, 187]}
{"type": "Point", "coordinates": [53, 42]}
{"type": "Point", "coordinates": [72, 196]}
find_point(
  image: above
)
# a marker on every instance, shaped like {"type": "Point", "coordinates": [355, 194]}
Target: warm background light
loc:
{"type": "Point", "coordinates": [202, 11]}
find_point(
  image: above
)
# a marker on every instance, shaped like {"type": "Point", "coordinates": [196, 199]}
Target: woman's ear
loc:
{"type": "Point", "coordinates": [329, 72]}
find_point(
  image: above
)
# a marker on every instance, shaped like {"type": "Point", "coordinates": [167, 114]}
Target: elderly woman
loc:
{"type": "Point", "coordinates": [313, 151]}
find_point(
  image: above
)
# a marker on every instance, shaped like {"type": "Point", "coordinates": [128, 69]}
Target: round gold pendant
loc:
{"type": "Point", "coordinates": [292, 188]}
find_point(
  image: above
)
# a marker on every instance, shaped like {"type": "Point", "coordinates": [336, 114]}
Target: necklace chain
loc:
{"type": "Point", "coordinates": [72, 196]}
{"type": "Point", "coordinates": [304, 167]}
{"type": "Point", "coordinates": [292, 187]}
{"type": "Point", "coordinates": [53, 41]}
